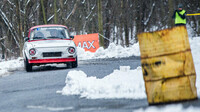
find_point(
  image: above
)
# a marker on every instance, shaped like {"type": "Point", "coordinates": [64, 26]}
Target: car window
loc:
{"type": "Point", "coordinates": [49, 33]}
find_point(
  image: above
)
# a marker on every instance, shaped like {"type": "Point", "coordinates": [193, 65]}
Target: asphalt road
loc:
{"type": "Point", "coordinates": [36, 91]}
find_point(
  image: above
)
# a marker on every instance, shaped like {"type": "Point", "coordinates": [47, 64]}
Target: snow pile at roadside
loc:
{"type": "Point", "coordinates": [113, 51]}
{"type": "Point", "coordinates": [195, 47]}
{"type": "Point", "coordinates": [123, 83]}
{"type": "Point", "coordinates": [119, 84]}
{"type": "Point", "coordinates": [7, 66]}
{"type": "Point", "coordinates": [169, 108]}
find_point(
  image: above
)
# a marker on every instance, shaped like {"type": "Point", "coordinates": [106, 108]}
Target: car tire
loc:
{"type": "Point", "coordinates": [75, 64]}
{"type": "Point", "coordinates": [69, 65]}
{"type": "Point", "coordinates": [27, 66]}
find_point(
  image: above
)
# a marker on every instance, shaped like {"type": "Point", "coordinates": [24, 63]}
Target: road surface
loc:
{"type": "Point", "coordinates": [36, 91]}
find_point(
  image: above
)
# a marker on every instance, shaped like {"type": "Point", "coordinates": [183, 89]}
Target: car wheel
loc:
{"type": "Point", "coordinates": [69, 65]}
{"type": "Point", "coordinates": [75, 64]}
{"type": "Point", "coordinates": [27, 66]}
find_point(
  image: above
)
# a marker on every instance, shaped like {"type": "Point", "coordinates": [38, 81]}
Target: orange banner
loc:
{"type": "Point", "coordinates": [89, 42]}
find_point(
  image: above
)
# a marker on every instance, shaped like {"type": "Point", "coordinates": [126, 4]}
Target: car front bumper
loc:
{"type": "Point", "coordinates": [56, 60]}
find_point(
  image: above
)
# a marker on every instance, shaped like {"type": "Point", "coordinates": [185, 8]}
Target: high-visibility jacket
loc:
{"type": "Point", "coordinates": [178, 19]}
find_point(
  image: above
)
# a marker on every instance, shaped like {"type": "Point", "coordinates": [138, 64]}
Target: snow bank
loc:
{"type": "Point", "coordinates": [113, 51]}
{"type": "Point", "coordinates": [7, 66]}
{"type": "Point", "coordinates": [123, 83]}
{"type": "Point", "coordinates": [195, 47]}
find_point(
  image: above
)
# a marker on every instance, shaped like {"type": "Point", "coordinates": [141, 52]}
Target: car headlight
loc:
{"type": "Point", "coordinates": [71, 50]}
{"type": "Point", "coordinates": [32, 51]}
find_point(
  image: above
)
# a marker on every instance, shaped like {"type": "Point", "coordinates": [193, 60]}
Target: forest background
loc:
{"type": "Point", "coordinates": [117, 21]}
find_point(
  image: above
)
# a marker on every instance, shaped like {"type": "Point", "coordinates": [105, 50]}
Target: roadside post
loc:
{"type": "Point", "coordinates": [167, 66]}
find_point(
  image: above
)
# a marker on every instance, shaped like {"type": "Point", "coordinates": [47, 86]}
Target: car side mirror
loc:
{"type": "Point", "coordinates": [72, 37]}
{"type": "Point", "coordinates": [26, 39]}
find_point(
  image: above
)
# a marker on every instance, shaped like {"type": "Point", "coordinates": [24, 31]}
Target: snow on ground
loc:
{"type": "Point", "coordinates": [123, 83]}
{"type": "Point", "coordinates": [12, 65]}
{"type": "Point", "coordinates": [195, 46]}
{"type": "Point", "coordinates": [113, 51]}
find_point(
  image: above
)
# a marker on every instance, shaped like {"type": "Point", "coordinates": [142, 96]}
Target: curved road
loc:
{"type": "Point", "coordinates": [36, 91]}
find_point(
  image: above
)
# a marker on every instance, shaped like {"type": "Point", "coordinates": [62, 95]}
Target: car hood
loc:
{"type": "Point", "coordinates": [52, 43]}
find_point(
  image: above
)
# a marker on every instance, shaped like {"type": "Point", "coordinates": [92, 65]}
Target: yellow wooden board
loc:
{"type": "Point", "coordinates": [171, 90]}
{"type": "Point", "coordinates": [167, 65]}
{"type": "Point", "coordinates": [163, 42]}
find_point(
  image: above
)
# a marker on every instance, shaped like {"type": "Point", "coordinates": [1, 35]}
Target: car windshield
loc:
{"type": "Point", "coordinates": [49, 33]}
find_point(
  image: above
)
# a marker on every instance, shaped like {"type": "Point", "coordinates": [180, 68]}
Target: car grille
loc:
{"type": "Point", "coordinates": [52, 54]}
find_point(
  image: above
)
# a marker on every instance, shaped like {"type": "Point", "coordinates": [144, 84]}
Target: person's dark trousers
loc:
{"type": "Point", "coordinates": [179, 24]}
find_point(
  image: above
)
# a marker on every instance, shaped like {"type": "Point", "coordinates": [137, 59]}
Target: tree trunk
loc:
{"type": "Point", "coordinates": [100, 23]}
{"type": "Point", "coordinates": [2, 42]}
{"type": "Point", "coordinates": [126, 23]}
{"type": "Point", "coordinates": [121, 35]}
{"type": "Point", "coordinates": [3, 49]}
{"type": "Point", "coordinates": [126, 33]}
{"type": "Point", "coordinates": [198, 28]}
{"type": "Point", "coordinates": [43, 12]}
{"type": "Point", "coordinates": [162, 12]}
{"type": "Point", "coordinates": [38, 14]}
{"type": "Point", "coordinates": [25, 20]}
{"type": "Point", "coordinates": [61, 12]}
{"type": "Point", "coordinates": [20, 29]}
{"type": "Point", "coordinates": [171, 10]}
{"type": "Point", "coordinates": [138, 18]}
{"type": "Point", "coordinates": [55, 12]}
{"type": "Point", "coordinates": [107, 32]}
{"type": "Point", "coordinates": [121, 23]}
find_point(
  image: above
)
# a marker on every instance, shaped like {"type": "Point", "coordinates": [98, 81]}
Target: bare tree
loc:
{"type": "Point", "coordinates": [171, 9]}
{"type": "Point", "coordinates": [117, 20]}
{"type": "Point", "coordinates": [43, 12]}
{"type": "Point", "coordinates": [100, 22]}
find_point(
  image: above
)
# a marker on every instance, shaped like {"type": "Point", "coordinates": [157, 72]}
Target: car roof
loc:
{"type": "Point", "coordinates": [48, 25]}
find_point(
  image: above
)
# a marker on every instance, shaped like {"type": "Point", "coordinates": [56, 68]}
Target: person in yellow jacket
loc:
{"type": "Point", "coordinates": [179, 16]}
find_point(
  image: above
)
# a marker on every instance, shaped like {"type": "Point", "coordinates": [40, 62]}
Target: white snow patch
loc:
{"type": "Point", "coordinates": [7, 66]}
{"type": "Point", "coordinates": [123, 83]}
{"type": "Point", "coordinates": [113, 51]}
{"type": "Point", "coordinates": [50, 108]}
{"type": "Point", "coordinates": [195, 45]}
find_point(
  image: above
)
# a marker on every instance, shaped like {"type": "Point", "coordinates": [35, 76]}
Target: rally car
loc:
{"type": "Point", "coordinates": [47, 44]}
